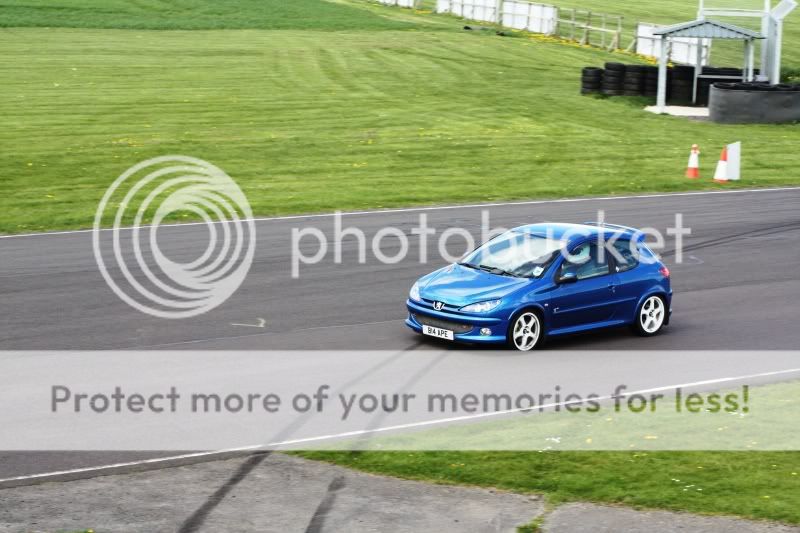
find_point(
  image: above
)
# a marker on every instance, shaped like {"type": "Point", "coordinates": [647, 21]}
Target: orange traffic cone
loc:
{"type": "Point", "coordinates": [693, 169]}
{"type": "Point", "coordinates": [721, 175]}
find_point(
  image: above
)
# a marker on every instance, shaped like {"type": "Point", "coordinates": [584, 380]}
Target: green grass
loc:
{"type": "Point", "coordinates": [191, 15]}
{"type": "Point", "coordinates": [310, 120]}
{"type": "Point", "coordinates": [761, 485]}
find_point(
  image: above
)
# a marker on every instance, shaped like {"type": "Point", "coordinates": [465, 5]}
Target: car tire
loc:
{"type": "Point", "coordinates": [617, 67]}
{"type": "Point", "coordinates": [651, 316]}
{"type": "Point", "coordinates": [526, 331]}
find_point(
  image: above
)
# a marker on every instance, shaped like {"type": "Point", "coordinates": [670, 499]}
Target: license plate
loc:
{"type": "Point", "coordinates": [438, 332]}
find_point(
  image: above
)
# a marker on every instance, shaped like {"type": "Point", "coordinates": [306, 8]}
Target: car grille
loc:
{"type": "Point", "coordinates": [443, 324]}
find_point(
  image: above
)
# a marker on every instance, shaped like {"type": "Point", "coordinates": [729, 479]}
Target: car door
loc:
{"type": "Point", "coordinates": [632, 282]}
{"type": "Point", "coordinates": [591, 298]}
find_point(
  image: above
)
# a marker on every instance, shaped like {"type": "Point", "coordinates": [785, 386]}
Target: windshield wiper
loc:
{"type": "Point", "coordinates": [497, 271]}
{"type": "Point", "coordinates": [504, 273]}
{"type": "Point", "coordinates": [491, 270]}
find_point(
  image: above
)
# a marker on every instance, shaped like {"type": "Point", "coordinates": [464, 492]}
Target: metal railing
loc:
{"type": "Point", "coordinates": [401, 3]}
{"type": "Point", "coordinates": [583, 26]}
{"type": "Point", "coordinates": [590, 27]}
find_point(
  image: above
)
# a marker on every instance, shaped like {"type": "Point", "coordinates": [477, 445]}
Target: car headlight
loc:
{"type": "Point", "coordinates": [481, 307]}
{"type": "Point", "coordinates": [414, 293]}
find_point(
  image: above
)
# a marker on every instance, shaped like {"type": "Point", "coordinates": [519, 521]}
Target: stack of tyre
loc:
{"type": "Point", "coordinates": [650, 81]}
{"type": "Point", "coordinates": [681, 84]}
{"type": "Point", "coordinates": [618, 79]}
{"type": "Point", "coordinates": [724, 71]}
{"type": "Point", "coordinates": [633, 80]}
{"type": "Point", "coordinates": [614, 79]}
{"type": "Point", "coordinates": [591, 80]}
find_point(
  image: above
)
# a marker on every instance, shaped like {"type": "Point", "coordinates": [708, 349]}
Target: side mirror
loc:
{"type": "Point", "coordinates": [567, 277]}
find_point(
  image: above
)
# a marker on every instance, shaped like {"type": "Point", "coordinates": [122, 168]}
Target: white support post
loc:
{"type": "Point", "coordinates": [765, 32]}
{"type": "Point", "coordinates": [752, 58]}
{"type": "Point", "coordinates": [777, 45]}
{"type": "Point", "coordinates": [662, 76]}
{"type": "Point", "coordinates": [698, 68]}
{"type": "Point", "coordinates": [746, 69]}
{"type": "Point", "coordinates": [772, 69]}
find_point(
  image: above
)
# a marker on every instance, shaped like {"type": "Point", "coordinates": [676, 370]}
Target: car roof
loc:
{"type": "Point", "coordinates": [575, 233]}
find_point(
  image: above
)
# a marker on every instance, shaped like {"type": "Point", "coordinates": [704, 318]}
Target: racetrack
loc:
{"type": "Point", "coordinates": [737, 289]}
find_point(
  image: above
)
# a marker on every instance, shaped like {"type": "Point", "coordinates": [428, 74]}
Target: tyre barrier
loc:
{"type": "Point", "coordinates": [633, 82]}
{"type": "Point", "coordinates": [650, 81]}
{"type": "Point", "coordinates": [618, 79]}
{"type": "Point", "coordinates": [754, 103]}
{"type": "Point", "coordinates": [591, 80]}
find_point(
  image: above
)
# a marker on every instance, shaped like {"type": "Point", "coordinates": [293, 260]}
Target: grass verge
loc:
{"type": "Point", "coordinates": [750, 484]}
{"type": "Point", "coordinates": [756, 485]}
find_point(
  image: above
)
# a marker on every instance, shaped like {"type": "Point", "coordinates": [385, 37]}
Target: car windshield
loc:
{"type": "Point", "coordinates": [515, 253]}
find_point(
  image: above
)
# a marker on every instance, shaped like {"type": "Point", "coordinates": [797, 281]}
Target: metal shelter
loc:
{"type": "Point", "coordinates": [703, 29]}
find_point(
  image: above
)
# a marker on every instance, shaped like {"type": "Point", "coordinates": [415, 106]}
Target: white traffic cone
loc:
{"type": "Point", "coordinates": [721, 175]}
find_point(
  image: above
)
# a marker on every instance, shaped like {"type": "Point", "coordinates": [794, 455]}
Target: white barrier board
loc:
{"type": "Point", "coordinates": [537, 18]}
{"type": "Point", "coordinates": [684, 50]}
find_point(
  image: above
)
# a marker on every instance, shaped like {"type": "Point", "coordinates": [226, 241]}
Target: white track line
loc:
{"type": "Point", "coordinates": [272, 445]}
{"type": "Point", "coordinates": [417, 209]}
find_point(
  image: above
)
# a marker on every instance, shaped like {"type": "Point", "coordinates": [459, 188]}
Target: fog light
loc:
{"type": "Point", "coordinates": [486, 332]}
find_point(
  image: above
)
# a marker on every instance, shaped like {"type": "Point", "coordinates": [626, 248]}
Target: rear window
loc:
{"type": "Point", "coordinates": [626, 255]}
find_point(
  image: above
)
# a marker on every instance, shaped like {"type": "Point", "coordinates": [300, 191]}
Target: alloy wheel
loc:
{"type": "Point", "coordinates": [526, 332]}
{"type": "Point", "coordinates": [651, 316]}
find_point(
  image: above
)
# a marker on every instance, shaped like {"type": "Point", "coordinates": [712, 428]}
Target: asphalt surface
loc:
{"type": "Point", "coordinates": [280, 494]}
{"type": "Point", "coordinates": [266, 493]}
{"type": "Point", "coordinates": [737, 289]}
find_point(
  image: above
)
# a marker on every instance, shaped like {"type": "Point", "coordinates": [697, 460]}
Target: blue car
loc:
{"type": "Point", "coordinates": [545, 280]}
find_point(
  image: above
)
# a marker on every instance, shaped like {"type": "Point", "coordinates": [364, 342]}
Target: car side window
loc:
{"type": "Point", "coordinates": [586, 262]}
{"type": "Point", "coordinates": [626, 255]}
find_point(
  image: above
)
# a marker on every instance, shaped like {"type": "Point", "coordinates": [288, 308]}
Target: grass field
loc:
{"type": "Point", "coordinates": [760, 485]}
{"type": "Point", "coordinates": [191, 15]}
{"type": "Point", "coordinates": [551, 453]}
{"type": "Point", "coordinates": [408, 109]}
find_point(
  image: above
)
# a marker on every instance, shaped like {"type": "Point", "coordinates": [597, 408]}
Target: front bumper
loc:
{"type": "Point", "coordinates": [418, 313]}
